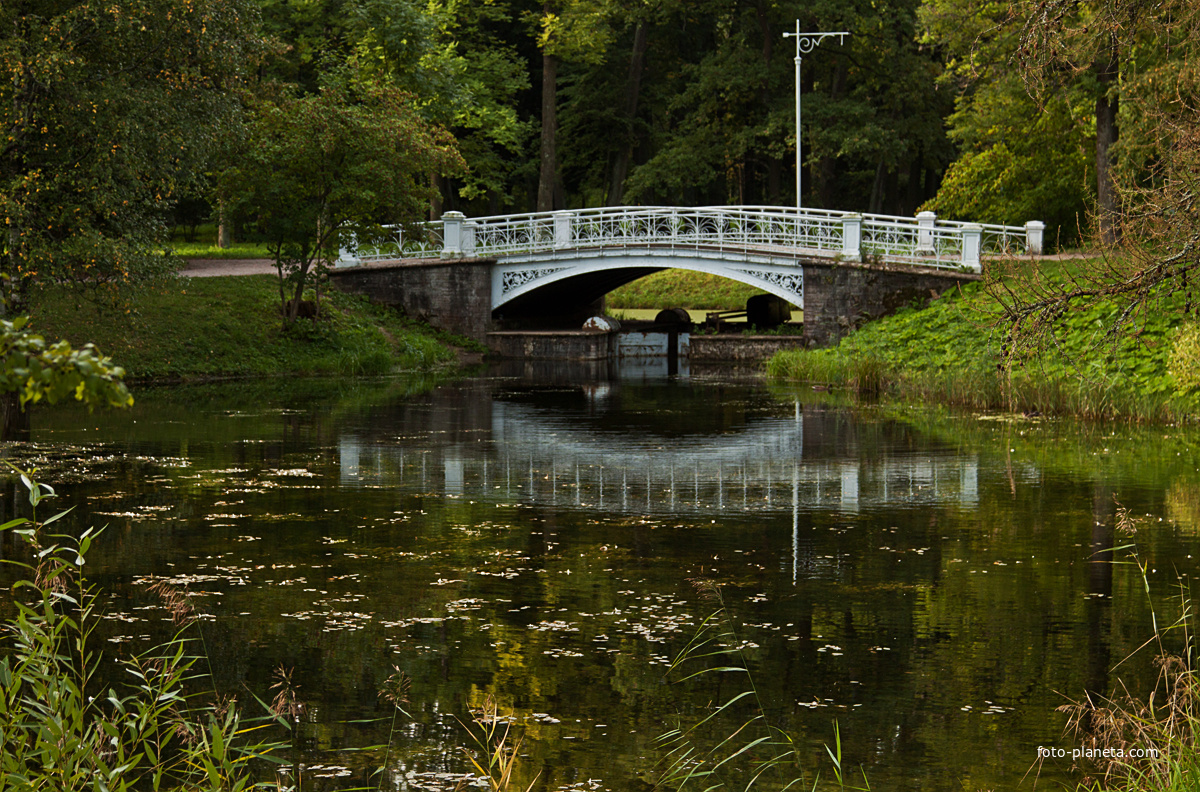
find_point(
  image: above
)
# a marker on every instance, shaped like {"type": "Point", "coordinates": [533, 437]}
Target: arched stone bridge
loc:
{"type": "Point", "coordinates": [565, 262]}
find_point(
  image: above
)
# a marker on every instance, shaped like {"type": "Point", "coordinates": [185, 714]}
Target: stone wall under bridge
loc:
{"type": "Point", "coordinates": [840, 296]}
{"type": "Point", "coordinates": [455, 294]}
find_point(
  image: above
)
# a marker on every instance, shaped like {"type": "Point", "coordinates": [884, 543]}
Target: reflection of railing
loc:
{"type": "Point", "coordinates": [918, 240]}
{"type": "Point", "coordinates": [662, 483]}
{"type": "Point", "coordinates": [533, 457]}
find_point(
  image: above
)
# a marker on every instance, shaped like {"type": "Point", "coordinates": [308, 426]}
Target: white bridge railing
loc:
{"type": "Point", "coordinates": [922, 240]}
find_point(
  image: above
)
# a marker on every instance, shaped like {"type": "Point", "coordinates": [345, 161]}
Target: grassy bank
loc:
{"type": "Point", "coordinates": [677, 288]}
{"type": "Point", "coordinates": [949, 352]}
{"type": "Point", "coordinates": [195, 328]}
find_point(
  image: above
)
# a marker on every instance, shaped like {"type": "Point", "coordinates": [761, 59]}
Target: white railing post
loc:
{"type": "Point", "coordinates": [972, 239]}
{"type": "Point", "coordinates": [468, 238]}
{"type": "Point", "coordinates": [1034, 231]}
{"type": "Point", "coordinates": [562, 229]}
{"type": "Point", "coordinates": [348, 253]}
{"type": "Point", "coordinates": [925, 223]}
{"type": "Point", "coordinates": [452, 223]}
{"type": "Point", "coordinates": [852, 237]}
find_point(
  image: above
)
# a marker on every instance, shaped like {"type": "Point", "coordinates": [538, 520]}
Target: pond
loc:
{"type": "Point", "coordinates": [931, 586]}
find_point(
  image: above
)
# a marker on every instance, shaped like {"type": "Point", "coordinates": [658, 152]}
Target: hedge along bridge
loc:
{"type": "Point", "coordinates": [837, 267]}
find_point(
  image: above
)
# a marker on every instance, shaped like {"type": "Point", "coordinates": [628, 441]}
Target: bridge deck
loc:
{"type": "Point", "coordinates": [785, 232]}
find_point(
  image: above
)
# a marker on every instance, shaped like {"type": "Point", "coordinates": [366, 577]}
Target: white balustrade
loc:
{"type": "Point", "coordinates": [767, 230]}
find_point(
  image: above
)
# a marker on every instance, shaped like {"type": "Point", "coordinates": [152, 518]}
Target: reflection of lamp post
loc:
{"type": "Point", "coordinates": [805, 43]}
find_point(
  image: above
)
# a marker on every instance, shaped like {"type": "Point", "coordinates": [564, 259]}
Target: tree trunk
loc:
{"type": "Point", "coordinates": [224, 230]}
{"type": "Point", "coordinates": [913, 197]}
{"type": "Point", "coordinates": [774, 178]}
{"type": "Point", "coordinates": [293, 306]}
{"type": "Point", "coordinates": [764, 95]}
{"type": "Point", "coordinates": [633, 87]}
{"type": "Point", "coordinates": [1107, 211]}
{"type": "Point", "coordinates": [549, 160]}
{"type": "Point", "coordinates": [877, 189]}
{"type": "Point", "coordinates": [435, 202]}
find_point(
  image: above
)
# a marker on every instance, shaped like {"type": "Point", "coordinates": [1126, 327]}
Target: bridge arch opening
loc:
{"type": "Point", "coordinates": [562, 294]}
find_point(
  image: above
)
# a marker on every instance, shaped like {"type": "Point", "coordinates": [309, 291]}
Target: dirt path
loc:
{"type": "Point", "coordinates": [209, 268]}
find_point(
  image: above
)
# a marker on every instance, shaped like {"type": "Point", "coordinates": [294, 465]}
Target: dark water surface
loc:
{"type": "Point", "coordinates": [928, 582]}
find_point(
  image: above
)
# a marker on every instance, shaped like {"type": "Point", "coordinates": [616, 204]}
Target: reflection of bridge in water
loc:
{"type": "Point", "coordinates": [539, 459]}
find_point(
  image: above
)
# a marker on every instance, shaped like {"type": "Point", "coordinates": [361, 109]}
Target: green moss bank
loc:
{"type": "Point", "coordinates": [949, 352]}
{"type": "Point", "coordinates": [200, 328]}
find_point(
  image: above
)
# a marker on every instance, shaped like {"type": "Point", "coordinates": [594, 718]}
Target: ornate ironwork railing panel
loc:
{"type": "Point", "coordinates": [999, 240]}
{"type": "Point", "coordinates": [685, 228]}
{"type": "Point", "coordinates": [420, 240]}
{"type": "Point", "coordinates": [745, 229]}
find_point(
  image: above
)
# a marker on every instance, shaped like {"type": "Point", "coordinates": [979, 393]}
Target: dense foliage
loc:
{"type": "Point", "coordinates": [983, 112]}
{"type": "Point", "coordinates": [109, 114]}
{"type": "Point", "coordinates": [35, 370]}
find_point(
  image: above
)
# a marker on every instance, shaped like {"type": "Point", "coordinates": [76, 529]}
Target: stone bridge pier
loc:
{"type": "Point", "coordinates": [455, 294]}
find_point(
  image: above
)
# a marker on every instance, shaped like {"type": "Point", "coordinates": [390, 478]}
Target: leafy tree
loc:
{"type": "Point", "coordinates": [32, 370]}
{"type": "Point", "coordinates": [1031, 166]}
{"type": "Point", "coordinates": [1136, 62]}
{"type": "Point", "coordinates": [108, 113]}
{"type": "Point", "coordinates": [479, 42]}
{"type": "Point", "coordinates": [1141, 59]}
{"type": "Point", "coordinates": [330, 164]}
{"type": "Point", "coordinates": [1018, 159]}
{"type": "Point", "coordinates": [457, 59]}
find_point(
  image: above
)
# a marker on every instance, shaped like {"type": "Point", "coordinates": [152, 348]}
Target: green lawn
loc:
{"type": "Point", "coordinates": [204, 245]}
{"type": "Point", "coordinates": [195, 328]}
{"type": "Point", "coordinates": [677, 288]}
{"type": "Point", "coordinates": [209, 250]}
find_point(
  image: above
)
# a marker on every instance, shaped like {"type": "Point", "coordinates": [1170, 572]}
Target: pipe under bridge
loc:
{"type": "Point", "coordinates": [548, 260]}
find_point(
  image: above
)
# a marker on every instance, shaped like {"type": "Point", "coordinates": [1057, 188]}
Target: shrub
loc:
{"type": "Point", "coordinates": [1183, 364]}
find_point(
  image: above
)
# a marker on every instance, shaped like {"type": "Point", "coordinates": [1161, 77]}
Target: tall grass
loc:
{"type": "Point", "coordinates": [1149, 744]}
{"type": "Point", "coordinates": [981, 390]}
{"type": "Point", "coordinates": [862, 374]}
{"type": "Point", "coordinates": [734, 745]}
{"type": "Point", "coordinates": [497, 750]}
{"type": "Point", "coordinates": [63, 729]}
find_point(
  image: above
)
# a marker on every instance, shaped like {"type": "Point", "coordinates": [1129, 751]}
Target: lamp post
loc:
{"type": "Point", "coordinates": [805, 43]}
